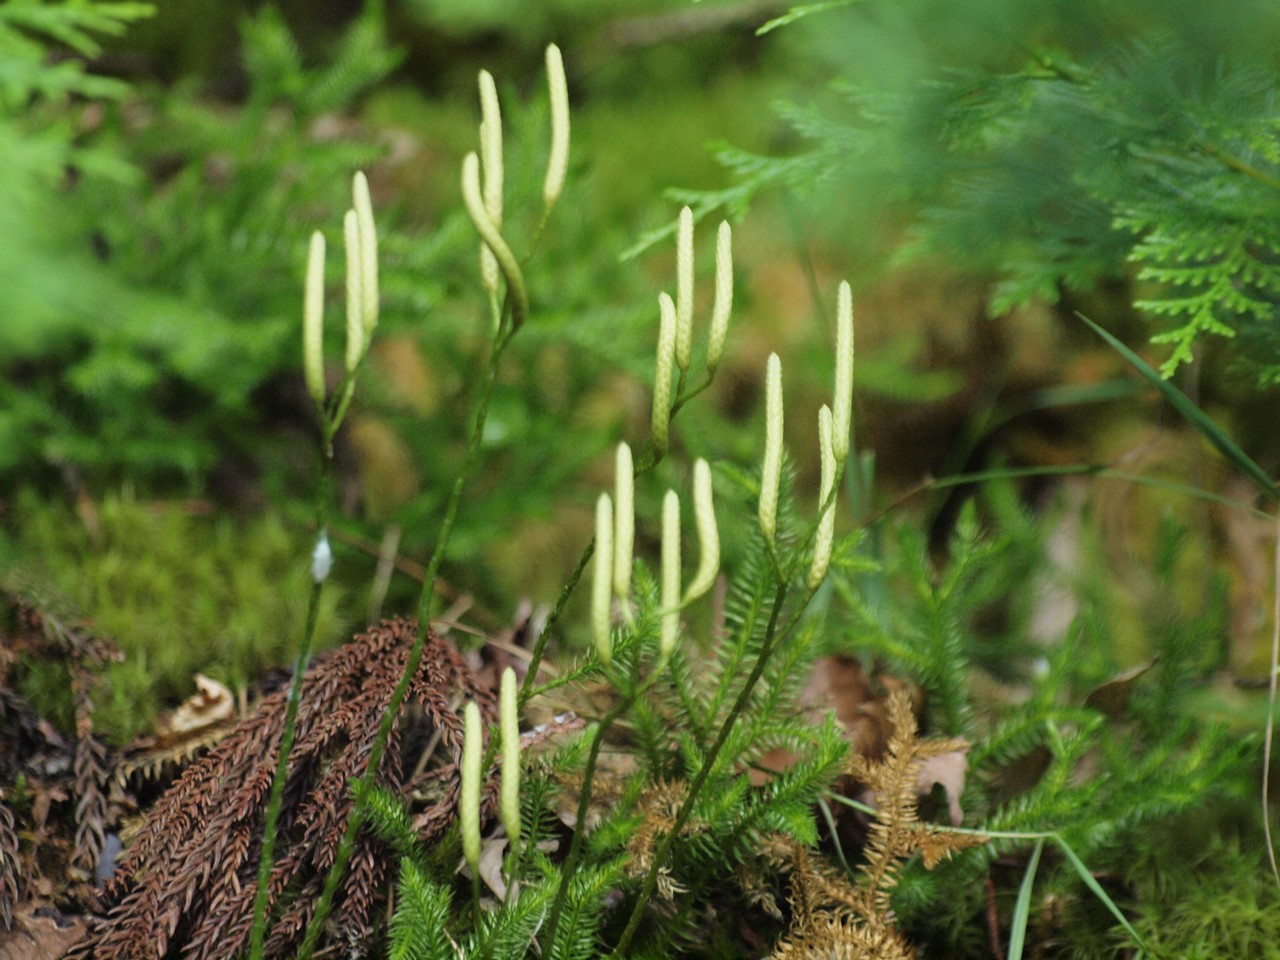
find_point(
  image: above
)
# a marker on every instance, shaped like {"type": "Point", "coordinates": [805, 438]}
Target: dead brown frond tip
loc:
{"type": "Point", "coordinates": [833, 917]}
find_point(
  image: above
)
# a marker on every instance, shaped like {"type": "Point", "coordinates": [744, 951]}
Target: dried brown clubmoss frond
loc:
{"type": "Point", "coordinates": [657, 810]}
{"type": "Point", "coordinates": [834, 937]}
{"type": "Point", "coordinates": [833, 918]}
{"type": "Point", "coordinates": [8, 865]}
{"type": "Point", "coordinates": [150, 763]}
{"type": "Point", "coordinates": [188, 883]}
{"type": "Point", "coordinates": [896, 832]}
{"type": "Point", "coordinates": [93, 811]}
{"type": "Point", "coordinates": [41, 632]}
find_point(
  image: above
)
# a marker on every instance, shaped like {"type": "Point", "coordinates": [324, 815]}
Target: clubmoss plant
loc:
{"type": "Point", "coordinates": [704, 514]}
{"type": "Point", "coordinates": [491, 170]}
{"type": "Point", "coordinates": [667, 334]}
{"type": "Point", "coordinates": [509, 716]}
{"type": "Point", "coordinates": [670, 574]}
{"type": "Point", "coordinates": [771, 473]}
{"type": "Point", "coordinates": [360, 242]}
{"type": "Point", "coordinates": [724, 297]}
{"type": "Point", "coordinates": [508, 320]}
{"type": "Point", "coordinates": [469, 797]}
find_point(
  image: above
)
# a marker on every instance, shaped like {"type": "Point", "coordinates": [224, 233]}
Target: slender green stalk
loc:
{"type": "Point", "coordinates": [686, 808]}
{"type": "Point", "coordinates": [476, 916]}
{"type": "Point", "coordinates": [515, 863]}
{"type": "Point", "coordinates": [1083, 872]}
{"type": "Point", "coordinates": [266, 860]}
{"type": "Point", "coordinates": [1100, 471]}
{"type": "Point", "coordinates": [540, 645]}
{"type": "Point", "coordinates": [580, 827]}
{"type": "Point", "coordinates": [346, 846]}
{"type": "Point", "coordinates": [682, 398]}
{"type": "Point", "coordinates": [636, 690]}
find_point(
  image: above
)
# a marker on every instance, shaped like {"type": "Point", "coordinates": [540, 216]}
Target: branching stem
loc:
{"type": "Point", "coordinates": [646, 462]}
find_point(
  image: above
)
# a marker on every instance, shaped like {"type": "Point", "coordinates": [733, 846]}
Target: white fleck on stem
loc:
{"type": "Point", "coordinates": [842, 412]}
{"type": "Point", "coordinates": [321, 558]}
{"type": "Point", "coordinates": [368, 232]}
{"type": "Point", "coordinates": [724, 297]}
{"type": "Point", "coordinates": [662, 373]}
{"type": "Point", "coordinates": [771, 471]}
{"type": "Point", "coordinates": [624, 527]}
{"type": "Point", "coordinates": [602, 583]}
{"type": "Point", "coordinates": [313, 321]}
{"type": "Point", "coordinates": [670, 575]}
{"type": "Point", "coordinates": [558, 159]}
{"type": "Point", "coordinates": [509, 722]}
{"type": "Point", "coordinates": [827, 521]}
{"type": "Point", "coordinates": [704, 516]}
{"type": "Point", "coordinates": [355, 300]}
{"type": "Point", "coordinates": [469, 798]}
{"type": "Point", "coordinates": [684, 289]}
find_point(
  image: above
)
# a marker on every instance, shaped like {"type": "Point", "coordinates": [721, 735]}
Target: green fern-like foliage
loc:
{"type": "Point", "coordinates": [931, 635]}
{"type": "Point", "coordinates": [1218, 275]}
{"type": "Point", "coordinates": [1053, 151]}
{"type": "Point", "coordinates": [420, 926]}
{"type": "Point", "coordinates": [434, 918]}
{"type": "Point", "coordinates": [1102, 756]}
{"type": "Point", "coordinates": [145, 315]}
{"type": "Point", "coordinates": [1226, 905]}
{"type": "Point", "coordinates": [719, 864]}
{"type": "Point", "coordinates": [30, 28]}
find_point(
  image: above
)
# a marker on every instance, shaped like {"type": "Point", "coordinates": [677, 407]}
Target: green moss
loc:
{"type": "Point", "coordinates": [1225, 904]}
{"type": "Point", "coordinates": [180, 593]}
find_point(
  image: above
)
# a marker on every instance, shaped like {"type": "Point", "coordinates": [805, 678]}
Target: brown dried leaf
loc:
{"type": "Point", "coordinates": [211, 703]}
{"type": "Point", "coordinates": [40, 933]}
{"type": "Point", "coordinates": [492, 851]}
{"type": "Point", "coordinates": [948, 771]}
{"type": "Point", "coordinates": [1112, 697]}
{"type": "Point", "coordinates": [840, 684]}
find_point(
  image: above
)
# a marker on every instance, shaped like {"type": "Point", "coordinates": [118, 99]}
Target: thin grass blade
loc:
{"type": "Point", "coordinates": [1093, 885]}
{"type": "Point", "coordinates": [1197, 417]}
{"type": "Point", "coordinates": [1022, 908]}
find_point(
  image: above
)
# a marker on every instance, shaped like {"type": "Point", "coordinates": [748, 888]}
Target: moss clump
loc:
{"type": "Point", "coordinates": [1225, 904]}
{"type": "Point", "coordinates": [180, 593]}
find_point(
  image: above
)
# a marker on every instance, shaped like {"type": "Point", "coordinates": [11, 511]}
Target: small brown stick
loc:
{"type": "Point", "coordinates": [993, 920]}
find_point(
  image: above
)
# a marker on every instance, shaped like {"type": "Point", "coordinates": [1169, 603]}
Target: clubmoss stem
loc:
{"type": "Point", "coordinates": [686, 809]}
{"type": "Point", "coordinates": [266, 860]}
{"type": "Point", "coordinates": [570, 865]}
